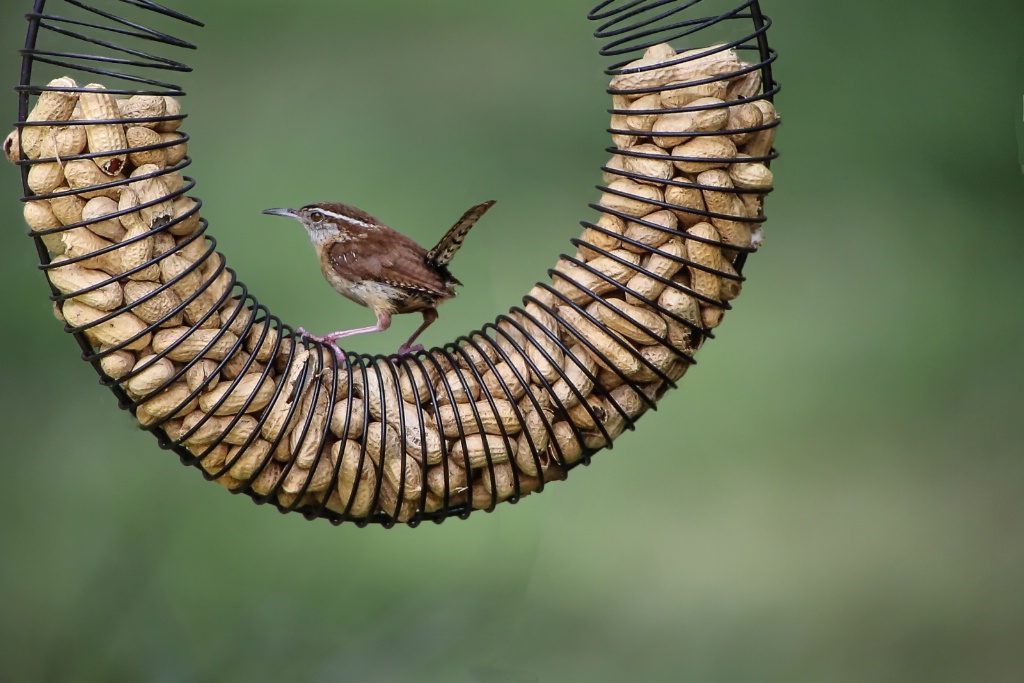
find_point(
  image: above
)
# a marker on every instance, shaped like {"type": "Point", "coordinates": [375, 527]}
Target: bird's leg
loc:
{"type": "Point", "coordinates": [383, 323]}
{"type": "Point", "coordinates": [429, 316]}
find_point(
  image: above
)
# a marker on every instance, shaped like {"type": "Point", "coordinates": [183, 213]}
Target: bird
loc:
{"type": "Point", "coordinates": [376, 266]}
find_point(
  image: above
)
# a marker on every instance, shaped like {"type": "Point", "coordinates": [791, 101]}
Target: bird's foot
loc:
{"type": "Point", "coordinates": [329, 341]}
{"type": "Point", "coordinates": [405, 349]}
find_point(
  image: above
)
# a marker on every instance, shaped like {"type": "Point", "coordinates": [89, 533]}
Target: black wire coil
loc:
{"type": "Point", "coordinates": [629, 26]}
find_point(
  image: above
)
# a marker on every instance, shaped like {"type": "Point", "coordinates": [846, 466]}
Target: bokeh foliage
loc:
{"type": "Point", "coordinates": [833, 495]}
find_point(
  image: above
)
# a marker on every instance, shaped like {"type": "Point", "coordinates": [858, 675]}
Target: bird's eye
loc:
{"type": "Point", "coordinates": [316, 216]}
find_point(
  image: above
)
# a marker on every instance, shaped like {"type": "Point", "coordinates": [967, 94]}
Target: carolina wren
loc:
{"type": "Point", "coordinates": [380, 268]}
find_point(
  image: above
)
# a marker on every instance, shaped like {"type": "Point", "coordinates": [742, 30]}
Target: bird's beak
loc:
{"type": "Point", "coordinates": [287, 213]}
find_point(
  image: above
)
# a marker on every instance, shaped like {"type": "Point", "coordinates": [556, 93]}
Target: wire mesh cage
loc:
{"type": "Point", "coordinates": [492, 416]}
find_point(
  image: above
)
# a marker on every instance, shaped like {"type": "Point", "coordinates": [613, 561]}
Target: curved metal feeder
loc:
{"type": "Point", "coordinates": [492, 416]}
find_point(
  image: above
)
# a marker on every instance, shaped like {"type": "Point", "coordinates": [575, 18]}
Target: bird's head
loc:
{"type": "Point", "coordinates": [320, 221]}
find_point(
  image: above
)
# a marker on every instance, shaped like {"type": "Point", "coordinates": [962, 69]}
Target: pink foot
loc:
{"type": "Point", "coordinates": [328, 341]}
{"type": "Point", "coordinates": [406, 349]}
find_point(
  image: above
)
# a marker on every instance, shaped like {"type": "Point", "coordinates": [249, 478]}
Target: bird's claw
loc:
{"type": "Point", "coordinates": [405, 349]}
{"type": "Point", "coordinates": [332, 344]}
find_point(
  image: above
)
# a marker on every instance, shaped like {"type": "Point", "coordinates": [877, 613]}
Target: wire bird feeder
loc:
{"type": "Point", "coordinates": [489, 418]}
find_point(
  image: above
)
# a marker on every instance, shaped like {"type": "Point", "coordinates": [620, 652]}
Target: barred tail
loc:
{"type": "Point", "coordinates": [442, 254]}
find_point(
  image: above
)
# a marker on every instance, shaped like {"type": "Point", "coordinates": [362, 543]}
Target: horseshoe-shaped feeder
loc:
{"type": "Point", "coordinates": [489, 418]}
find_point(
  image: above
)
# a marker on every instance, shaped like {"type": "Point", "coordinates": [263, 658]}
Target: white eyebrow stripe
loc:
{"type": "Point", "coordinates": [348, 219]}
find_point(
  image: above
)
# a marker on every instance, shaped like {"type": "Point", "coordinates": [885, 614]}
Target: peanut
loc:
{"type": "Point", "coordinates": [186, 213]}
{"type": "Point", "coordinates": [686, 202]}
{"type": "Point", "coordinates": [447, 478]}
{"type": "Point", "coordinates": [52, 105]}
{"type": "Point", "coordinates": [622, 140]}
{"type": "Point", "coordinates": [348, 417]}
{"type": "Point", "coordinates": [741, 117]}
{"type": "Point", "coordinates": [40, 217]}
{"type": "Point", "coordinates": [202, 375]}
{"type": "Point", "coordinates": [544, 353]}
{"type": "Point", "coordinates": [633, 322]}
{"type": "Point", "coordinates": [604, 236]}
{"type": "Point", "coordinates": [615, 168]}
{"type": "Point", "coordinates": [580, 281]}
{"type": "Point", "coordinates": [531, 449]}
{"type": "Point", "coordinates": [175, 153]}
{"type": "Point", "coordinates": [172, 107]}
{"type": "Point", "coordinates": [139, 137]}
{"type": "Point", "coordinates": [654, 170]}
{"type": "Point", "coordinates": [60, 142]}
{"type": "Point", "coordinates": [506, 482]}
{"type": "Point", "coordinates": [705, 256]}
{"type": "Point", "coordinates": [282, 415]}
{"type": "Point", "coordinates": [746, 86]}
{"type": "Point", "coordinates": [357, 480]}
{"type": "Point", "coordinates": [160, 308]}
{"type": "Point", "coordinates": [269, 479]}
{"type": "Point", "coordinates": [45, 178]}
{"type": "Point", "coordinates": [83, 243]}
{"type": "Point", "coordinates": [153, 188]}
{"type": "Point", "coordinates": [727, 204]}
{"type": "Point", "coordinates": [98, 105]}
{"type": "Point", "coordinates": [183, 347]}
{"type": "Point", "coordinates": [663, 263]}
{"type": "Point", "coordinates": [634, 204]}
{"type": "Point", "coordinates": [12, 146]}
{"type": "Point", "coordinates": [69, 208]}
{"type": "Point", "coordinates": [682, 337]}
{"type": "Point", "coordinates": [226, 399]}
{"type": "Point", "coordinates": [404, 473]}
{"type": "Point", "coordinates": [566, 448]}
{"type": "Point", "coordinates": [689, 95]}
{"type": "Point", "coordinates": [751, 176]}
{"type": "Point", "coordinates": [704, 153]}
{"type": "Point", "coordinates": [483, 450]}
{"type": "Point", "coordinates": [84, 175]}
{"type": "Point", "coordinates": [314, 479]}
{"type": "Point", "coordinates": [117, 364]}
{"type": "Point", "coordinates": [124, 329]}
{"type": "Point", "coordinates": [244, 461]}
{"type": "Point", "coordinates": [612, 351]}
{"type": "Point", "coordinates": [72, 278]}
{"type": "Point", "coordinates": [153, 373]}
{"type": "Point", "coordinates": [170, 403]}
{"type": "Point", "coordinates": [96, 213]}
{"type": "Point", "coordinates": [649, 236]}
{"type": "Point", "coordinates": [143, 107]}
{"type": "Point", "coordinates": [674, 129]}
{"type": "Point", "coordinates": [761, 142]}
{"type": "Point", "coordinates": [578, 382]}
{"type": "Point", "coordinates": [647, 108]}
{"type": "Point", "coordinates": [477, 418]}
{"type": "Point", "coordinates": [658, 71]}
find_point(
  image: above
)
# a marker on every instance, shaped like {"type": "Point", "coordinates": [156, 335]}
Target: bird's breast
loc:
{"type": "Point", "coordinates": [344, 280]}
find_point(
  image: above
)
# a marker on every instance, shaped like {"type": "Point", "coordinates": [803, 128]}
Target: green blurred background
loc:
{"type": "Point", "coordinates": [835, 493]}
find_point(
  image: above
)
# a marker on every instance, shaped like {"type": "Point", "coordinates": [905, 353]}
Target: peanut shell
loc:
{"type": "Point", "coordinates": [96, 212]}
{"type": "Point", "coordinates": [72, 278]}
{"type": "Point", "coordinates": [704, 153]}
{"type": "Point", "coordinates": [226, 399]}
{"type": "Point", "coordinates": [98, 105]}
{"type": "Point", "coordinates": [114, 332]}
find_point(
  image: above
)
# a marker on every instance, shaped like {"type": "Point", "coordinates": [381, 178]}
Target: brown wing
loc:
{"type": "Point", "coordinates": [445, 250]}
{"type": "Point", "coordinates": [401, 263]}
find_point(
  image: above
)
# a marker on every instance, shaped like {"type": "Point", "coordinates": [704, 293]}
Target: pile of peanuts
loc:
{"type": "Point", "coordinates": [394, 439]}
